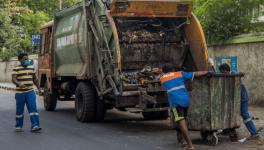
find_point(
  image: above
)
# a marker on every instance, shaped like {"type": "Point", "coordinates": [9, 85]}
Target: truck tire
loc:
{"type": "Point", "coordinates": [156, 115]}
{"type": "Point", "coordinates": [85, 105]}
{"type": "Point", "coordinates": [50, 99]}
{"type": "Point", "coordinates": [88, 107]}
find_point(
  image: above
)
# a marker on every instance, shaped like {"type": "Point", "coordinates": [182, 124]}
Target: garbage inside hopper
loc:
{"type": "Point", "coordinates": [142, 77]}
{"type": "Point", "coordinates": [151, 43]}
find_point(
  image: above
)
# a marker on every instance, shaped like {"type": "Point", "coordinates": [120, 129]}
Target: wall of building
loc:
{"type": "Point", "coordinates": [6, 68]}
{"type": "Point", "coordinates": [251, 62]}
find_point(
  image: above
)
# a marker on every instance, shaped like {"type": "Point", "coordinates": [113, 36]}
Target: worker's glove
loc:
{"type": "Point", "coordinates": [210, 73]}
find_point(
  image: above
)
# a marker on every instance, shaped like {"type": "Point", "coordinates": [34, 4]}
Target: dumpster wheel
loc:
{"type": "Point", "coordinates": [213, 139]}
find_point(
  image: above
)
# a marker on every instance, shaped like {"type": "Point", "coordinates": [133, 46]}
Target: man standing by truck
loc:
{"type": "Point", "coordinates": [23, 77]}
{"type": "Point", "coordinates": [178, 96]}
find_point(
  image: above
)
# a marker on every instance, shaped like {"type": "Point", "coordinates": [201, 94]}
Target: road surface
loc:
{"type": "Point", "coordinates": [120, 131]}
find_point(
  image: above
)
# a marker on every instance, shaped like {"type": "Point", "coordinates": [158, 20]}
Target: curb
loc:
{"type": "Point", "coordinates": [7, 88]}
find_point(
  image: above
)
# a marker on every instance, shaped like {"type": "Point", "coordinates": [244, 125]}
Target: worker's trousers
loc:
{"type": "Point", "coordinates": [28, 99]}
{"type": "Point", "coordinates": [247, 119]}
{"type": "Point", "coordinates": [244, 111]}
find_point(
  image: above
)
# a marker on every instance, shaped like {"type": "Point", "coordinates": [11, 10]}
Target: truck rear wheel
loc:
{"type": "Point", "coordinates": [50, 99]}
{"type": "Point", "coordinates": [155, 115]}
{"type": "Point", "coordinates": [88, 107]}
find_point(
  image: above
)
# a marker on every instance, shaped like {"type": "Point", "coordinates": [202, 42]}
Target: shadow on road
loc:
{"type": "Point", "coordinates": [116, 120]}
{"type": "Point", "coordinates": [133, 126]}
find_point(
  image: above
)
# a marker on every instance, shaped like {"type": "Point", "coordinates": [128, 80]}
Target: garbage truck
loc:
{"type": "Point", "coordinates": [101, 54]}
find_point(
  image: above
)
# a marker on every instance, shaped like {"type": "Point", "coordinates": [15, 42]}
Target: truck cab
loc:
{"type": "Point", "coordinates": [45, 60]}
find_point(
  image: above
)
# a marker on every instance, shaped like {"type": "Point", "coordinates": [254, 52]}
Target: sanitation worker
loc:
{"type": "Point", "coordinates": [23, 77]}
{"type": "Point", "coordinates": [178, 96]}
{"type": "Point", "coordinates": [225, 69]}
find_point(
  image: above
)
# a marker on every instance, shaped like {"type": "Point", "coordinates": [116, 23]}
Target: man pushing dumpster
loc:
{"type": "Point", "coordinates": [178, 96]}
{"type": "Point", "coordinates": [225, 68]}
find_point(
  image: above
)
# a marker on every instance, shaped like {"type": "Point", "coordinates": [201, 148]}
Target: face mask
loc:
{"type": "Point", "coordinates": [26, 63]}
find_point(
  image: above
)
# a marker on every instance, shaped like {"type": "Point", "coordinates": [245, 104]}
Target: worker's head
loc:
{"type": "Point", "coordinates": [167, 68]}
{"type": "Point", "coordinates": [23, 59]}
{"type": "Point", "coordinates": [224, 68]}
{"type": "Point", "coordinates": [211, 62]}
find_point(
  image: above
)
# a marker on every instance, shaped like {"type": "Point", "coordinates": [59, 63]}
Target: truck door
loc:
{"type": "Point", "coordinates": [45, 55]}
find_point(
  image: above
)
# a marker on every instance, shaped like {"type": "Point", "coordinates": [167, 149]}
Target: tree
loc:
{"type": "Point", "coordinates": [47, 6]}
{"type": "Point", "coordinates": [9, 41]}
{"type": "Point", "coordinates": [40, 12]}
{"type": "Point", "coordinates": [19, 19]}
{"type": "Point", "coordinates": [223, 19]}
{"type": "Point", "coordinates": [7, 32]}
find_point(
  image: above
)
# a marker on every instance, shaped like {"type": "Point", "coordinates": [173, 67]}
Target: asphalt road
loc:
{"type": "Point", "coordinates": [120, 131]}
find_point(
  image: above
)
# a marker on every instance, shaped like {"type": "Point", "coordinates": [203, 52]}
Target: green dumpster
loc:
{"type": "Point", "coordinates": [215, 105]}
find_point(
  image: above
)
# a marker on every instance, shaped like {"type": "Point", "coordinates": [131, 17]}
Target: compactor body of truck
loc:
{"type": "Point", "coordinates": [102, 54]}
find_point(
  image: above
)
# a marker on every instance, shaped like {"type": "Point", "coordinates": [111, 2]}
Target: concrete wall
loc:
{"type": "Point", "coordinates": [251, 62]}
{"type": "Point", "coordinates": [6, 69]}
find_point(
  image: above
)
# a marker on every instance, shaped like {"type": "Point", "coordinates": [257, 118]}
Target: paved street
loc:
{"type": "Point", "coordinates": [120, 131]}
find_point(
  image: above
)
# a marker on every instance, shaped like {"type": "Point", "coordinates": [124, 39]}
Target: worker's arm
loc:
{"type": "Point", "coordinates": [200, 73]}
{"type": "Point", "coordinates": [36, 82]}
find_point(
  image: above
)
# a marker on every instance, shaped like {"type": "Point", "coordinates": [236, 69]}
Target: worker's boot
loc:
{"type": "Point", "coordinates": [36, 129]}
{"type": "Point", "coordinates": [19, 129]}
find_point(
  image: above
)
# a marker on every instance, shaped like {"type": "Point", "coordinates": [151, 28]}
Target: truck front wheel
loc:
{"type": "Point", "coordinates": [50, 99]}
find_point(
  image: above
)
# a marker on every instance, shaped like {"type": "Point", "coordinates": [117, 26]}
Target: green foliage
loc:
{"type": "Point", "coordinates": [33, 21]}
{"type": "Point", "coordinates": [47, 6]}
{"type": "Point", "coordinates": [19, 19]}
{"type": "Point", "coordinates": [223, 19]}
{"type": "Point", "coordinates": [8, 39]}
{"type": "Point", "coordinates": [7, 54]}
